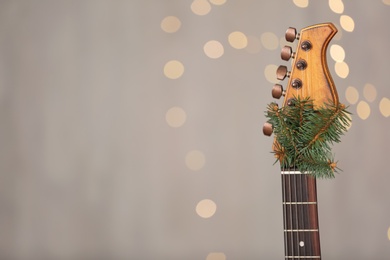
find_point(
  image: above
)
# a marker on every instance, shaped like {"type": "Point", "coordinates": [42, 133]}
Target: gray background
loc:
{"type": "Point", "coordinates": [90, 169]}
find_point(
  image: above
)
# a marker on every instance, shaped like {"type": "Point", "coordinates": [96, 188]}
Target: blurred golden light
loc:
{"type": "Point", "coordinates": [270, 73]}
{"type": "Point", "coordinates": [337, 53]}
{"type": "Point", "coordinates": [363, 110]}
{"type": "Point", "coordinates": [213, 49]}
{"type": "Point", "coordinates": [269, 40]}
{"type": "Point", "coordinates": [200, 7]}
{"type": "Point", "coordinates": [352, 95]}
{"type": "Point", "coordinates": [238, 40]}
{"type": "Point", "coordinates": [216, 256]}
{"type": "Point", "coordinates": [217, 2]}
{"type": "Point", "coordinates": [301, 3]}
{"type": "Point", "coordinates": [342, 69]}
{"type": "Point", "coordinates": [386, 2]}
{"type": "Point", "coordinates": [173, 69]}
{"type": "Point", "coordinates": [195, 160]}
{"type": "Point", "coordinates": [336, 6]}
{"type": "Point", "coordinates": [347, 23]}
{"type": "Point", "coordinates": [388, 231]}
{"type": "Point", "coordinates": [170, 24]}
{"type": "Point", "coordinates": [206, 208]}
{"type": "Point", "coordinates": [254, 44]}
{"type": "Point", "coordinates": [369, 92]}
{"type": "Point", "coordinates": [175, 117]}
{"type": "Point", "coordinates": [384, 107]}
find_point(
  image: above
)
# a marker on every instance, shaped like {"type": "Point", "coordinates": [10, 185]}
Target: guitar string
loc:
{"type": "Point", "coordinates": [291, 214]}
{"type": "Point", "coordinates": [302, 216]}
{"type": "Point", "coordinates": [303, 176]}
{"type": "Point", "coordinates": [298, 235]}
{"type": "Point", "coordinates": [297, 217]}
{"type": "Point", "coordinates": [284, 211]}
{"type": "Point", "coordinates": [310, 224]}
{"type": "Point", "coordinates": [308, 78]}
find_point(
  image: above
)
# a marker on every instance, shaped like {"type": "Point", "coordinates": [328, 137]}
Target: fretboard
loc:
{"type": "Point", "coordinates": [300, 216]}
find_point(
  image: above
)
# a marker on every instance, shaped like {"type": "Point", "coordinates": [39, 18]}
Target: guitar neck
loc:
{"type": "Point", "coordinates": [300, 216]}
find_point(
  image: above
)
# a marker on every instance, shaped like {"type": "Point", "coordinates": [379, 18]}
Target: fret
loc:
{"type": "Point", "coordinates": [292, 172]}
{"type": "Point", "coordinates": [301, 230]}
{"type": "Point", "coordinates": [300, 203]}
{"type": "Point", "coordinates": [304, 257]}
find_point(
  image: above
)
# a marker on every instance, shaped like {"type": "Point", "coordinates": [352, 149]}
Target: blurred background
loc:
{"type": "Point", "coordinates": [133, 129]}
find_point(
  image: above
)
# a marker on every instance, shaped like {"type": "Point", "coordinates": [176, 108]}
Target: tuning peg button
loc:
{"type": "Point", "coordinates": [267, 129]}
{"type": "Point", "coordinates": [277, 91]}
{"type": "Point", "coordinates": [287, 53]}
{"type": "Point", "coordinates": [291, 34]}
{"type": "Point", "coordinates": [282, 72]}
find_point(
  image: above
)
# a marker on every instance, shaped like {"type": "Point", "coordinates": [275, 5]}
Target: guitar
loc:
{"type": "Point", "coordinates": [309, 78]}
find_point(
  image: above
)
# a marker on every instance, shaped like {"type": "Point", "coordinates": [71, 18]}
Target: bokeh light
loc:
{"type": "Point", "coordinates": [352, 95]}
{"type": "Point", "coordinates": [363, 110]}
{"type": "Point", "coordinates": [337, 53]}
{"type": "Point", "coordinates": [342, 69]}
{"type": "Point", "coordinates": [195, 160]}
{"type": "Point", "coordinates": [216, 256]}
{"type": "Point", "coordinates": [336, 6]}
{"type": "Point", "coordinates": [347, 23]}
{"type": "Point", "coordinates": [369, 92]}
{"type": "Point", "coordinates": [270, 73]}
{"type": "Point", "coordinates": [238, 40]}
{"type": "Point", "coordinates": [213, 49]}
{"type": "Point", "coordinates": [386, 2]}
{"type": "Point", "coordinates": [388, 233]}
{"type": "Point", "coordinates": [206, 208]}
{"type": "Point", "coordinates": [301, 3]}
{"type": "Point", "coordinates": [170, 24]}
{"type": "Point", "coordinates": [269, 40]}
{"type": "Point", "coordinates": [200, 7]}
{"type": "Point", "coordinates": [218, 2]}
{"type": "Point", "coordinates": [384, 107]}
{"type": "Point", "coordinates": [173, 69]}
{"type": "Point", "coordinates": [176, 117]}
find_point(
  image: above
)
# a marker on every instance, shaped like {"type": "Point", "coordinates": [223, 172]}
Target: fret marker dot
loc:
{"type": "Point", "coordinates": [301, 244]}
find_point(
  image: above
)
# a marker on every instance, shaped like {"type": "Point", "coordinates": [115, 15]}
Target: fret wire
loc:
{"type": "Point", "coordinates": [301, 230]}
{"type": "Point", "coordinates": [316, 257]}
{"type": "Point", "coordinates": [300, 203]}
{"type": "Point", "coordinates": [293, 172]}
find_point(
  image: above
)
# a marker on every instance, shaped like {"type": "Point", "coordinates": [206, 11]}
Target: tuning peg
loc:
{"type": "Point", "coordinates": [277, 91]}
{"type": "Point", "coordinates": [291, 34]}
{"type": "Point", "coordinates": [282, 72]}
{"type": "Point", "coordinates": [267, 129]}
{"type": "Point", "coordinates": [287, 53]}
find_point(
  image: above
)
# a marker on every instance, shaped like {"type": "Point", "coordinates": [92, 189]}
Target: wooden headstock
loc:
{"type": "Point", "coordinates": [309, 76]}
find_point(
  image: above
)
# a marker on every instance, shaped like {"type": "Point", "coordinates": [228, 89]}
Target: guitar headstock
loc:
{"type": "Point", "coordinates": [309, 75]}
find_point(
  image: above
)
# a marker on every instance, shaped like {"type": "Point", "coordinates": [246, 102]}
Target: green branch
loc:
{"type": "Point", "coordinates": [303, 135]}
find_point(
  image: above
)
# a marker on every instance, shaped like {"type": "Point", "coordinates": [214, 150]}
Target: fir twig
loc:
{"type": "Point", "coordinates": [303, 135]}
